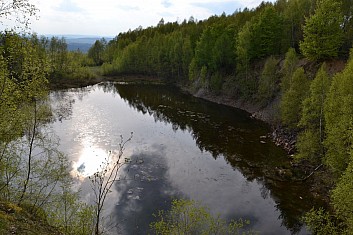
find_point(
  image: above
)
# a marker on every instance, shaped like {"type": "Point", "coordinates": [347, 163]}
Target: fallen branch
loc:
{"type": "Point", "coordinates": [307, 177]}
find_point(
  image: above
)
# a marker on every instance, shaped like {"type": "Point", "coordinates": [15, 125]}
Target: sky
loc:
{"type": "Point", "coordinates": [110, 17]}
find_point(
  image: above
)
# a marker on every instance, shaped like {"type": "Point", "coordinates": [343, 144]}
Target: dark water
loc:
{"type": "Point", "coordinates": [183, 147]}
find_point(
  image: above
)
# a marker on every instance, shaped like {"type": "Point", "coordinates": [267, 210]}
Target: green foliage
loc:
{"type": "Point", "coordinates": [289, 66]}
{"type": "Point", "coordinates": [321, 223]}
{"type": "Point", "coordinates": [23, 78]}
{"type": "Point", "coordinates": [216, 82]}
{"type": "Point", "coordinates": [204, 76]}
{"type": "Point", "coordinates": [69, 214]}
{"type": "Point", "coordinates": [310, 143]}
{"type": "Point", "coordinates": [342, 197]}
{"type": "Point", "coordinates": [67, 64]}
{"type": "Point", "coordinates": [193, 70]}
{"type": "Point", "coordinates": [96, 51]}
{"type": "Point", "coordinates": [309, 146]}
{"type": "Point", "coordinates": [323, 32]}
{"type": "Point", "coordinates": [215, 48]}
{"type": "Point", "coordinates": [267, 33]}
{"type": "Point", "coordinates": [23, 221]}
{"type": "Point", "coordinates": [347, 10]}
{"type": "Point", "coordinates": [259, 37]}
{"type": "Point", "coordinates": [268, 80]}
{"type": "Point", "coordinates": [294, 14]}
{"type": "Point", "coordinates": [57, 51]}
{"type": "Point", "coordinates": [291, 103]}
{"type": "Point", "coordinates": [313, 105]}
{"type": "Point", "coordinates": [338, 113]}
{"type": "Point", "coordinates": [32, 170]}
{"type": "Point", "coordinates": [342, 201]}
{"type": "Point", "coordinates": [166, 56]}
{"type": "Point", "coordinates": [189, 217]}
{"type": "Point", "coordinates": [243, 47]}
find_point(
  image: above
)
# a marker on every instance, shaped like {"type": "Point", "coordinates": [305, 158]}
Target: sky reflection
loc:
{"type": "Point", "coordinates": [182, 147]}
{"type": "Point", "coordinates": [89, 161]}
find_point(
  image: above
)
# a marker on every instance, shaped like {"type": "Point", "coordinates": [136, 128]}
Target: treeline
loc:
{"type": "Point", "coordinates": [277, 50]}
{"type": "Point", "coordinates": [229, 45]}
{"type": "Point", "coordinates": [59, 61]}
{"type": "Point", "coordinates": [35, 177]}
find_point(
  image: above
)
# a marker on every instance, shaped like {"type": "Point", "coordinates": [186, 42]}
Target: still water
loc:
{"type": "Point", "coordinates": [182, 147]}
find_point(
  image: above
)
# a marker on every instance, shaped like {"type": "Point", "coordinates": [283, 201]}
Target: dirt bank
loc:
{"type": "Point", "coordinates": [268, 113]}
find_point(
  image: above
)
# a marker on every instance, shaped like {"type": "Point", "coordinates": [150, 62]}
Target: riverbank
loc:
{"type": "Point", "coordinates": [266, 113]}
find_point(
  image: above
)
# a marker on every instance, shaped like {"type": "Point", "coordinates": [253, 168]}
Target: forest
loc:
{"type": "Point", "coordinates": [295, 54]}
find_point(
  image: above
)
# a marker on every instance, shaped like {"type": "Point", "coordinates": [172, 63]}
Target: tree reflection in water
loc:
{"type": "Point", "coordinates": [229, 169]}
{"type": "Point", "coordinates": [217, 130]}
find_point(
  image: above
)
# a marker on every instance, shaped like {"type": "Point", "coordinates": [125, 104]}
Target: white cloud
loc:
{"type": "Point", "coordinates": [109, 17]}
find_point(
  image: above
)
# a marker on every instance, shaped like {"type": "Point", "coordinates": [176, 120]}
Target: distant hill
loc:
{"type": "Point", "coordinates": [80, 42]}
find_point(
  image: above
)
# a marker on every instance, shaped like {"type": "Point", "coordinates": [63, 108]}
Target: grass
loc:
{"type": "Point", "coordinates": [19, 220]}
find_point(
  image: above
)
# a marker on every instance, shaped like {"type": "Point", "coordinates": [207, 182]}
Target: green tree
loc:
{"type": "Point", "coordinates": [309, 146]}
{"type": "Point", "coordinates": [321, 222]}
{"type": "Point", "coordinates": [268, 80]}
{"type": "Point", "coordinates": [189, 217]}
{"type": "Point", "coordinates": [96, 52]}
{"type": "Point", "coordinates": [347, 9]}
{"type": "Point", "coordinates": [289, 66]}
{"type": "Point", "coordinates": [193, 70]}
{"type": "Point", "coordinates": [338, 113]}
{"type": "Point", "coordinates": [243, 48]}
{"type": "Point", "coordinates": [294, 16]}
{"type": "Point", "coordinates": [342, 197]}
{"type": "Point", "coordinates": [223, 54]}
{"type": "Point", "coordinates": [203, 50]}
{"type": "Point", "coordinates": [188, 54]}
{"type": "Point", "coordinates": [68, 213]}
{"type": "Point", "coordinates": [291, 103]}
{"type": "Point", "coordinates": [267, 33]}
{"type": "Point", "coordinates": [310, 142]}
{"type": "Point", "coordinates": [58, 56]}
{"type": "Point", "coordinates": [323, 31]}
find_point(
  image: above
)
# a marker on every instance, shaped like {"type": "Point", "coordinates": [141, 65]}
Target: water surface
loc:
{"type": "Point", "coordinates": [182, 147]}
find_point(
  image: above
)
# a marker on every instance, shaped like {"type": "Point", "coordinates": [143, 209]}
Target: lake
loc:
{"type": "Point", "coordinates": [182, 147]}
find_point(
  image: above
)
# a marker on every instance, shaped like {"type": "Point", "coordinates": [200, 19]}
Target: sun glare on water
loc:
{"type": "Point", "coordinates": [90, 160]}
